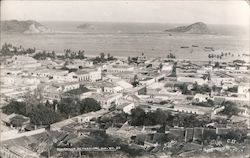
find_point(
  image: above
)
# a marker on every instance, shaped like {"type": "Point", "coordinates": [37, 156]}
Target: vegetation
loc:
{"type": "Point", "coordinates": [43, 55]}
{"type": "Point", "coordinates": [116, 120]}
{"type": "Point", "coordinates": [230, 108]}
{"type": "Point", "coordinates": [9, 49]}
{"type": "Point", "coordinates": [201, 89]}
{"type": "Point", "coordinates": [170, 55]}
{"type": "Point", "coordinates": [15, 107]}
{"type": "Point", "coordinates": [217, 65]}
{"type": "Point", "coordinates": [45, 114]}
{"type": "Point", "coordinates": [183, 88]}
{"type": "Point", "coordinates": [69, 107]}
{"type": "Point", "coordinates": [173, 73]}
{"type": "Point", "coordinates": [209, 103]}
{"type": "Point", "coordinates": [102, 59]}
{"type": "Point", "coordinates": [139, 117]}
{"type": "Point", "coordinates": [18, 121]}
{"type": "Point", "coordinates": [80, 90]}
{"type": "Point", "coordinates": [233, 89]}
{"type": "Point", "coordinates": [135, 81]}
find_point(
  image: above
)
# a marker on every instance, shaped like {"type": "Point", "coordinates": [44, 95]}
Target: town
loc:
{"type": "Point", "coordinates": [70, 104]}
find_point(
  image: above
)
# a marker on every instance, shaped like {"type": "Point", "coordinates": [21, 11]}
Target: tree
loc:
{"type": "Point", "coordinates": [44, 116]}
{"type": "Point", "coordinates": [88, 105]}
{"type": "Point", "coordinates": [137, 117]}
{"type": "Point", "coordinates": [15, 107]}
{"type": "Point", "coordinates": [135, 81]}
{"type": "Point", "coordinates": [230, 108]}
{"type": "Point", "coordinates": [129, 60]}
{"type": "Point", "coordinates": [217, 65]}
{"type": "Point", "coordinates": [53, 54]}
{"type": "Point", "coordinates": [184, 89]}
{"type": "Point", "coordinates": [160, 66]}
{"type": "Point", "coordinates": [102, 56]}
{"type": "Point", "coordinates": [69, 107]}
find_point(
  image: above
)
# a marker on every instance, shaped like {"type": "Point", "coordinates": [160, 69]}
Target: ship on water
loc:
{"type": "Point", "coordinates": [184, 46]}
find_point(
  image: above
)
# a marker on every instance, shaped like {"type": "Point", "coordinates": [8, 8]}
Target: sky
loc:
{"type": "Point", "coordinates": [230, 12]}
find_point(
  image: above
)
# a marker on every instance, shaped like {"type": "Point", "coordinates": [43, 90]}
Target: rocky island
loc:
{"type": "Point", "coordinates": [28, 26]}
{"type": "Point", "coordinates": [195, 28]}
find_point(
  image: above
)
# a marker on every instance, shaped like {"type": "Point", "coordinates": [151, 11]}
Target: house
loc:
{"type": "Point", "coordinates": [119, 68]}
{"type": "Point", "coordinates": [49, 73]}
{"type": "Point", "coordinates": [201, 97]}
{"type": "Point", "coordinates": [111, 78]}
{"type": "Point", "coordinates": [126, 107]}
{"type": "Point", "coordinates": [66, 86]}
{"type": "Point", "coordinates": [17, 151]}
{"type": "Point", "coordinates": [167, 67]}
{"type": "Point", "coordinates": [88, 116]}
{"type": "Point", "coordinates": [142, 58]}
{"type": "Point", "coordinates": [177, 133]}
{"type": "Point", "coordinates": [222, 131]}
{"type": "Point", "coordinates": [219, 78]}
{"type": "Point", "coordinates": [189, 133]}
{"type": "Point", "coordinates": [107, 100]}
{"type": "Point", "coordinates": [112, 89]}
{"type": "Point", "coordinates": [90, 74]}
{"type": "Point", "coordinates": [79, 64]}
{"type": "Point", "coordinates": [244, 88]}
{"type": "Point", "coordinates": [125, 85]}
{"type": "Point", "coordinates": [192, 109]}
{"type": "Point", "coordinates": [198, 133]}
{"type": "Point", "coordinates": [16, 121]}
{"type": "Point", "coordinates": [199, 81]}
{"type": "Point", "coordinates": [23, 61]}
{"type": "Point", "coordinates": [147, 81]}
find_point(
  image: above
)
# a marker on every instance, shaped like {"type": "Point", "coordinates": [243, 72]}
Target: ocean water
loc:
{"type": "Point", "coordinates": [132, 39]}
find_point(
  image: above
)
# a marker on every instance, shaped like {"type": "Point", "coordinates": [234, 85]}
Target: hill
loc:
{"type": "Point", "coordinates": [196, 28]}
{"type": "Point", "coordinates": [28, 26]}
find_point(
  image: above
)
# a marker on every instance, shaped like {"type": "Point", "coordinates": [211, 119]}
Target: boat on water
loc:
{"type": "Point", "coordinates": [209, 48]}
{"type": "Point", "coordinates": [184, 46]}
{"type": "Point", "coordinates": [195, 46]}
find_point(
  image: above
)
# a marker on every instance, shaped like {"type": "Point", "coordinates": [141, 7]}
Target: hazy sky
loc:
{"type": "Point", "coordinates": [211, 12]}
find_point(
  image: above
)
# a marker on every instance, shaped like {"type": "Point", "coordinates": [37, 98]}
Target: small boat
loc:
{"type": "Point", "coordinates": [209, 48]}
{"type": "Point", "coordinates": [195, 46]}
{"type": "Point", "coordinates": [184, 47]}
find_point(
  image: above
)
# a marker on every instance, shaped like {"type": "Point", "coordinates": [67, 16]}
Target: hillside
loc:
{"type": "Point", "coordinates": [29, 26]}
{"type": "Point", "coordinates": [196, 28]}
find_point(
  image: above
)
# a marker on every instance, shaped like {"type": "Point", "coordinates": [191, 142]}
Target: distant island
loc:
{"type": "Point", "coordinates": [28, 26]}
{"type": "Point", "coordinates": [85, 26]}
{"type": "Point", "coordinates": [195, 28]}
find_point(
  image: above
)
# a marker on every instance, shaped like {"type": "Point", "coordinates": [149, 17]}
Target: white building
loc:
{"type": "Point", "coordinates": [192, 109]}
{"type": "Point", "coordinates": [106, 100]}
{"type": "Point", "coordinates": [119, 68]}
{"type": "Point", "coordinates": [88, 75]}
{"type": "Point", "coordinates": [199, 81]}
